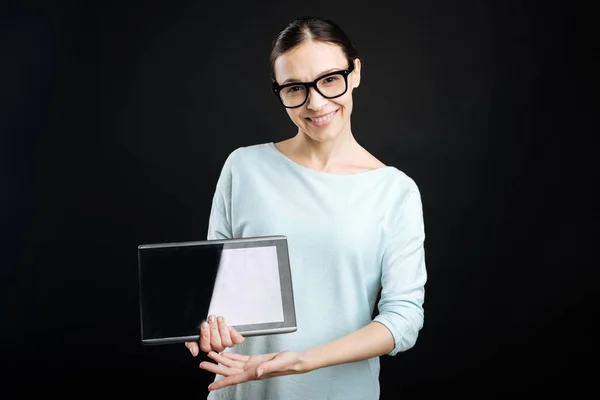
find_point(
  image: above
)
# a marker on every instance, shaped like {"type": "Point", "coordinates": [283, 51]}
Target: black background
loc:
{"type": "Point", "coordinates": [117, 117]}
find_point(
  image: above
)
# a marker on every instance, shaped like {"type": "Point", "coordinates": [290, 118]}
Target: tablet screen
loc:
{"type": "Point", "coordinates": [243, 281]}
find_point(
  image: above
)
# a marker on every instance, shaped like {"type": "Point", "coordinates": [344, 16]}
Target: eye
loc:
{"type": "Point", "coordinates": [332, 80]}
{"type": "Point", "coordinates": [293, 89]}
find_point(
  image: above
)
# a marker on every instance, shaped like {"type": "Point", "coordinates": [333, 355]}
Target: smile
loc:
{"type": "Point", "coordinates": [324, 118]}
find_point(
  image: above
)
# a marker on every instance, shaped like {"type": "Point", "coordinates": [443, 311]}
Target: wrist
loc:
{"type": "Point", "coordinates": [308, 361]}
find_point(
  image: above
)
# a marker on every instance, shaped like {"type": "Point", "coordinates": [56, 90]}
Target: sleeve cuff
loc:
{"type": "Point", "coordinates": [385, 321]}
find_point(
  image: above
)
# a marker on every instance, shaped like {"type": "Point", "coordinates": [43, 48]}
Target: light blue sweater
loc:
{"type": "Point", "coordinates": [349, 236]}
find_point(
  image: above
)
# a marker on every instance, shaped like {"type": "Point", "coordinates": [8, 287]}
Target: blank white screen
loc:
{"type": "Point", "coordinates": [247, 289]}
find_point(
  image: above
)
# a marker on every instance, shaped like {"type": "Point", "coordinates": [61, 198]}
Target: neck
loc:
{"type": "Point", "coordinates": [322, 155]}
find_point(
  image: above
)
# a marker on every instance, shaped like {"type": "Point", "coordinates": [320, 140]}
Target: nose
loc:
{"type": "Point", "coordinates": [315, 100]}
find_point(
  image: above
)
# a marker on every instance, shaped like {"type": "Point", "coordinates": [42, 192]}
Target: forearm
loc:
{"type": "Point", "coordinates": [372, 340]}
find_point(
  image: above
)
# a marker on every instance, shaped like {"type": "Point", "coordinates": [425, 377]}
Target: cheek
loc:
{"type": "Point", "coordinates": [294, 114]}
{"type": "Point", "coordinates": [346, 102]}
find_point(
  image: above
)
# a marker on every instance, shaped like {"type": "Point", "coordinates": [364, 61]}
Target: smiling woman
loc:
{"type": "Point", "coordinates": [354, 227]}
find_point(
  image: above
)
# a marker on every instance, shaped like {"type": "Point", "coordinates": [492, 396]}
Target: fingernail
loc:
{"type": "Point", "coordinates": [211, 318]}
{"type": "Point", "coordinates": [220, 319]}
{"type": "Point", "coordinates": [204, 325]}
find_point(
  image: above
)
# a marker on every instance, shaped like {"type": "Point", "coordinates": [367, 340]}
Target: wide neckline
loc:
{"type": "Point", "coordinates": [272, 146]}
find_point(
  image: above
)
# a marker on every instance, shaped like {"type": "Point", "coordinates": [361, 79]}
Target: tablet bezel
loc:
{"type": "Point", "coordinates": [287, 294]}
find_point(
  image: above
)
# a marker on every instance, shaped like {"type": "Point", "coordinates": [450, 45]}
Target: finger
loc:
{"type": "Point", "coordinates": [235, 356]}
{"type": "Point", "coordinates": [236, 338]}
{"type": "Point", "coordinates": [261, 358]}
{"type": "Point", "coordinates": [234, 379]}
{"type": "Point", "coordinates": [224, 332]}
{"type": "Point", "coordinates": [192, 347]}
{"type": "Point", "coordinates": [215, 337]}
{"type": "Point", "coordinates": [219, 369]}
{"type": "Point", "coordinates": [228, 362]}
{"type": "Point", "coordinates": [205, 337]}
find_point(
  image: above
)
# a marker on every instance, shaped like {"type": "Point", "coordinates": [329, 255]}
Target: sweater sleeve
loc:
{"type": "Point", "coordinates": [404, 275]}
{"type": "Point", "coordinates": [219, 222]}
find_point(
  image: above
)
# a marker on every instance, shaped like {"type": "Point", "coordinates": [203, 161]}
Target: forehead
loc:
{"type": "Point", "coordinates": [308, 60]}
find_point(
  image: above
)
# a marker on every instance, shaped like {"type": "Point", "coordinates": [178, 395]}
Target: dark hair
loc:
{"type": "Point", "coordinates": [310, 28]}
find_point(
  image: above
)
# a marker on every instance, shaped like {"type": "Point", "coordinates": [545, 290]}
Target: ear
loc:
{"type": "Point", "coordinates": [356, 74]}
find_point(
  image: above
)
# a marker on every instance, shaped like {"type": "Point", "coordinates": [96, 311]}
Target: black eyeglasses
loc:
{"type": "Point", "coordinates": [331, 85]}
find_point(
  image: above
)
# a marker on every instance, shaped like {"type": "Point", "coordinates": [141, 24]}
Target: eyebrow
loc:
{"type": "Point", "coordinates": [292, 80]}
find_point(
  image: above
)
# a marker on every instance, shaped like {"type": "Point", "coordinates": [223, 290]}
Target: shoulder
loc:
{"type": "Point", "coordinates": [403, 205]}
{"type": "Point", "coordinates": [402, 194]}
{"type": "Point", "coordinates": [399, 183]}
{"type": "Point", "coordinates": [246, 156]}
{"type": "Point", "coordinates": [242, 161]}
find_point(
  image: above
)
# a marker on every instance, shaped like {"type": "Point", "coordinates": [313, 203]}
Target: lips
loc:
{"type": "Point", "coordinates": [322, 118]}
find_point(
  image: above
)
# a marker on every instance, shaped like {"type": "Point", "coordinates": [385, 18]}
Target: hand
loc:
{"type": "Point", "coordinates": [216, 336]}
{"type": "Point", "coordinates": [237, 368]}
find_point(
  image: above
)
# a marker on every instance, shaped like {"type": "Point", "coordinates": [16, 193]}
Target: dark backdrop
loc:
{"type": "Point", "coordinates": [117, 117]}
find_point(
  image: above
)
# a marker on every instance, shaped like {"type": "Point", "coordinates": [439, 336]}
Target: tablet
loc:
{"type": "Point", "coordinates": [247, 281]}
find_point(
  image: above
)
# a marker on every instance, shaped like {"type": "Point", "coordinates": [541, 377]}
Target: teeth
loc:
{"type": "Point", "coordinates": [323, 119]}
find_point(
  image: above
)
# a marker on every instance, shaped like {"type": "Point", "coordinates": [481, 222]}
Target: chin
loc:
{"type": "Point", "coordinates": [322, 134]}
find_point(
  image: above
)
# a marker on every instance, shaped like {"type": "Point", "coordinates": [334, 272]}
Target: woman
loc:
{"type": "Point", "coordinates": [354, 227]}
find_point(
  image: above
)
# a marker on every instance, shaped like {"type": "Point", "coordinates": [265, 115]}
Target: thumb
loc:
{"type": "Point", "coordinates": [268, 367]}
{"type": "Point", "coordinates": [262, 369]}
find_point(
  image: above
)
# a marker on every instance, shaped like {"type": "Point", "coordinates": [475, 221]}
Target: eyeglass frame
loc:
{"type": "Point", "coordinates": [344, 72]}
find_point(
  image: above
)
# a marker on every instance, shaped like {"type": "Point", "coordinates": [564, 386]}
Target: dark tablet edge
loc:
{"type": "Point", "coordinates": [196, 338]}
